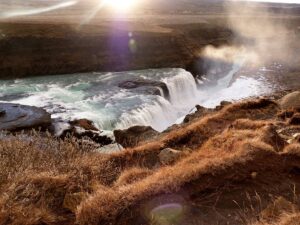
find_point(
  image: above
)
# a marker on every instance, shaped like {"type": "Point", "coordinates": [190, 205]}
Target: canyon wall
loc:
{"type": "Point", "coordinates": [31, 49]}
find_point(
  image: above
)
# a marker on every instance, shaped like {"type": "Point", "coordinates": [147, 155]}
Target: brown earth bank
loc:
{"type": "Point", "coordinates": [36, 47]}
{"type": "Point", "coordinates": [159, 35]}
{"type": "Point", "coordinates": [237, 164]}
{"type": "Point", "coordinates": [31, 49]}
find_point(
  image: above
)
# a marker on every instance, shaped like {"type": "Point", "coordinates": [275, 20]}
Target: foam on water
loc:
{"type": "Point", "coordinates": [99, 98]}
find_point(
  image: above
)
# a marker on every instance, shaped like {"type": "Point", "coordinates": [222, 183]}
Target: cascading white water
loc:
{"type": "Point", "coordinates": [161, 113]}
{"type": "Point", "coordinates": [99, 98]}
{"type": "Point", "coordinates": [182, 88]}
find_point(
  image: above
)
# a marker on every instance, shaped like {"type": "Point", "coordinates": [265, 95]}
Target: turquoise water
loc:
{"type": "Point", "coordinates": [98, 97]}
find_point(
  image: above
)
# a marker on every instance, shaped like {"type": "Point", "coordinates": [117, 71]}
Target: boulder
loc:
{"type": "Point", "coordinates": [290, 101]}
{"type": "Point", "coordinates": [134, 135]}
{"type": "Point", "coordinates": [82, 129]}
{"type": "Point", "coordinates": [146, 86]}
{"type": "Point", "coordinates": [15, 117]}
{"type": "Point", "coordinates": [201, 112]}
{"type": "Point", "coordinates": [169, 156]}
{"type": "Point", "coordinates": [222, 105]}
{"type": "Point", "coordinates": [85, 124]}
{"type": "Point", "coordinates": [81, 133]}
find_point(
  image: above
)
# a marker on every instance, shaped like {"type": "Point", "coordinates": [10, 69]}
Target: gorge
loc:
{"type": "Point", "coordinates": [157, 97]}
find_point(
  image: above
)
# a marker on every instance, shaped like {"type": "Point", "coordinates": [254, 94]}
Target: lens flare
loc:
{"type": "Point", "coordinates": [165, 210]}
{"type": "Point", "coordinates": [121, 5]}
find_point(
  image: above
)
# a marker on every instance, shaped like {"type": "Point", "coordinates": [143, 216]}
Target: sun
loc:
{"type": "Point", "coordinates": [121, 5]}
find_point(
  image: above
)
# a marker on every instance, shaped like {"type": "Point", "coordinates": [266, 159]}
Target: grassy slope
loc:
{"type": "Point", "coordinates": [233, 169]}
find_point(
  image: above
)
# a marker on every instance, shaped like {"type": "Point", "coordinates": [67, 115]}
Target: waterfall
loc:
{"type": "Point", "coordinates": [182, 88]}
{"type": "Point", "coordinates": [161, 113]}
{"type": "Point", "coordinates": [99, 97]}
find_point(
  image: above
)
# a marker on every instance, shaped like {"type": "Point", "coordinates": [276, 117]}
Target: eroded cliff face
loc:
{"type": "Point", "coordinates": [45, 49]}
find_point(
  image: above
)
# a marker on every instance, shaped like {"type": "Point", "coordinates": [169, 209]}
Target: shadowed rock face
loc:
{"type": "Point", "coordinates": [14, 117]}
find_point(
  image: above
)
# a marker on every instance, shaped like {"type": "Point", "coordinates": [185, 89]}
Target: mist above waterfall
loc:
{"type": "Point", "coordinates": [259, 37]}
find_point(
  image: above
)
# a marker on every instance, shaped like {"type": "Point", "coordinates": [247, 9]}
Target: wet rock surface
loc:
{"type": "Point", "coordinates": [83, 129]}
{"type": "Point", "coordinates": [85, 124]}
{"type": "Point", "coordinates": [146, 86]}
{"type": "Point", "coordinates": [15, 117]}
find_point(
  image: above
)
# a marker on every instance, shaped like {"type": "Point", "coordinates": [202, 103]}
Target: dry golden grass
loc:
{"type": "Point", "coordinates": [235, 149]}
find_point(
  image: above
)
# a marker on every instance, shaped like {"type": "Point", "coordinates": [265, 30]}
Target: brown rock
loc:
{"type": "Point", "coordinates": [290, 101]}
{"type": "Point", "coordinates": [16, 117]}
{"type": "Point", "coordinates": [169, 156]}
{"type": "Point", "coordinates": [94, 136]}
{"type": "Point", "coordinates": [201, 112]}
{"type": "Point", "coordinates": [85, 124]}
{"type": "Point", "coordinates": [222, 105]}
{"type": "Point", "coordinates": [134, 135]}
{"type": "Point", "coordinates": [152, 87]}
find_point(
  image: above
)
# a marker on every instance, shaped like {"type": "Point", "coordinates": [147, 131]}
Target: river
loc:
{"type": "Point", "coordinates": [99, 97]}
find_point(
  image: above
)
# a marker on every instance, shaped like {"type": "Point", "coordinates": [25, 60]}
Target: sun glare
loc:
{"type": "Point", "coordinates": [121, 5]}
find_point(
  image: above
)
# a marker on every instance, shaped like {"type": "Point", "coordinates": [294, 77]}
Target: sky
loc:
{"type": "Point", "coordinates": [281, 1]}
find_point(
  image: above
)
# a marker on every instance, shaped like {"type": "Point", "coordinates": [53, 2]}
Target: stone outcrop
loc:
{"type": "Point", "coordinates": [85, 124]}
{"type": "Point", "coordinates": [290, 101]}
{"type": "Point", "coordinates": [133, 136]}
{"type": "Point", "coordinates": [201, 112]}
{"type": "Point", "coordinates": [15, 117]}
{"type": "Point", "coordinates": [63, 49]}
{"type": "Point", "coordinates": [84, 128]}
{"type": "Point", "coordinates": [146, 87]}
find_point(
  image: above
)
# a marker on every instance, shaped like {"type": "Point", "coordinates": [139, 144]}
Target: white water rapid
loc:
{"type": "Point", "coordinates": [100, 98]}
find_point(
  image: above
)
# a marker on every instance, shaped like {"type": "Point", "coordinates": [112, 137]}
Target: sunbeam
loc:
{"type": "Point", "coordinates": [34, 11]}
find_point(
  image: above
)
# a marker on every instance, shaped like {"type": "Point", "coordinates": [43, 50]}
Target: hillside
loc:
{"type": "Point", "coordinates": [238, 164]}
